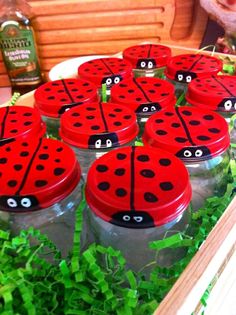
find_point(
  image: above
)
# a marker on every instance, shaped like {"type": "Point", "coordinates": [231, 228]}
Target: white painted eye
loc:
{"type": "Point", "coordinates": [150, 65]}
{"type": "Point", "coordinates": [98, 143]}
{"type": "Point", "coordinates": [12, 203]}
{"type": "Point", "coordinates": [145, 109]}
{"type": "Point", "coordinates": [108, 143]}
{"type": "Point", "coordinates": [188, 79]}
{"type": "Point", "coordinates": [187, 153]}
{"type": "Point", "coordinates": [180, 77]}
{"type": "Point", "coordinates": [126, 218]}
{"type": "Point", "coordinates": [234, 105]}
{"type": "Point", "coordinates": [143, 64]}
{"type": "Point", "coordinates": [228, 105]}
{"type": "Point", "coordinates": [25, 202]}
{"type": "Point", "coordinates": [116, 80]}
{"type": "Point", "coordinates": [198, 153]}
{"type": "Point", "coordinates": [108, 81]}
{"type": "Point", "coordinates": [153, 108]}
{"type": "Point", "coordinates": [138, 219]}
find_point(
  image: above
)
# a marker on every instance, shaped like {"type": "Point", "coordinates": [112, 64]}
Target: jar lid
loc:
{"type": "Point", "coordinates": [105, 70]}
{"type": "Point", "coordinates": [192, 134]}
{"type": "Point", "coordinates": [56, 97]}
{"type": "Point", "coordinates": [184, 68]}
{"type": "Point", "coordinates": [144, 95]}
{"type": "Point", "coordinates": [138, 187]}
{"type": "Point", "coordinates": [36, 174]}
{"type": "Point", "coordinates": [20, 122]}
{"type": "Point", "coordinates": [98, 126]}
{"type": "Point", "coordinates": [147, 56]}
{"type": "Point", "coordinates": [216, 92]}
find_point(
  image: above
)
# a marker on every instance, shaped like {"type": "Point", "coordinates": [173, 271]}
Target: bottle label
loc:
{"type": "Point", "coordinates": [19, 53]}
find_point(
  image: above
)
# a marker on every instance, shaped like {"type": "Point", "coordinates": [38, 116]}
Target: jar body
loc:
{"type": "Point", "coordinates": [133, 243]}
{"type": "Point", "coordinates": [208, 178]}
{"type": "Point", "coordinates": [156, 72]}
{"type": "Point", "coordinates": [56, 221]}
{"type": "Point", "coordinates": [180, 88]}
{"type": "Point", "coordinates": [53, 125]}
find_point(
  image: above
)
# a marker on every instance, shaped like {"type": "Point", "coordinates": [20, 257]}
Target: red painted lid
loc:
{"type": "Point", "coordinates": [138, 187]}
{"type": "Point", "coordinates": [213, 92]}
{"type": "Point", "coordinates": [105, 70]}
{"type": "Point", "coordinates": [56, 97]}
{"type": "Point", "coordinates": [192, 134]}
{"type": "Point", "coordinates": [98, 126]}
{"type": "Point", "coordinates": [144, 95]}
{"type": "Point", "coordinates": [147, 56]}
{"type": "Point", "coordinates": [20, 122]}
{"type": "Point", "coordinates": [184, 68]}
{"type": "Point", "coordinates": [36, 174]}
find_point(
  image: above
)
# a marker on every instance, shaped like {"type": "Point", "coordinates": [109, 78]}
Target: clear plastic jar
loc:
{"type": "Point", "coordinates": [96, 128]}
{"type": "Point", "coordinates": [54, 98]}
{"type": "Point", "coordinates": [200, 139]}
{"type": "Point", "coordinates": [134, 196]}
{"type": "Point", "coordinates": [41, 188]}
{"type": "Point", "coordinates": [148, 60]}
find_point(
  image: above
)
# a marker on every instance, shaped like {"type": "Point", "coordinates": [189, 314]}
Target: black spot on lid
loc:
{"type": "Point", "coordinates": [121, 156]}
{"type": "Point", "coordinates": [187, 113]}
{"type": "Point", "coordinates": [150, 197]}
{"type": "Point", "coordinates": [181, 139]}
{"type": "Point", "coordinates": [43, 156]}
{"type": "Point", "coordinates": [169, 114]}
{"type": "Point", "coordinates": [27, 123]}
{"type": "Point", "coordinates": [58, 171]}
{"type": "Point", "coordinates": [39, 167]}
{"type": "Point", "coordinates": [24, 153]}
{"type": "Point", "coordinates": [121, 192]}
{"type": "Point", "coordinates": [120, 171]}
{"type": "Point", "coordinates": [59, 149]}
{"type": "Point", "coordinates": [208, 117]}
{"type": "Point", "coordinates": [102, 168]}
{"type": "Point", "coordinates": [75, 114]}
{"type": "Point", "coordinates": [130, 91]}
{"type": "Point", "coordinates": [117, 123]}
{"type": "Point", "coordinates": [161, 132]}
{"type": "Point", "coordinates": [51, 97]}
{"type": "Point", "coordinates": [117, 110]}
{"type": "Point", "coordinates": [14, 131]}
{"type": "Point", "coordinates": [203, 138]}
{"type": "Point", "coordinates": [152, 91]}
{"type": "Point", "coordinates": [18, 167]}
{"type": "Point", "coordinates": [27, 114]}
{"type": "Point", "coordinates": [12, 183]}
{"type": "Point", "coordinates": [164, 162]}
{"type": "Point", "coordinates": [143, 158]}
{"type": "Point", "coordinates": [166, 186]}
{"type": "Point", "coordinates": [147, 173]}
{"type": "Point", "coordinates": [175, 125]}
{"type": "Point", "coordinates": [95, 127]}
{"type": "Point", "coordinates": [159, 121]}
{"type": "Point", "coordinates": [90, 117]}
{"type": "Point", "coordinates": [103, 186]}
{"type": "Point", "coordinates": [40, 183]}
{"type": "Point", "coordinates": [138, 99]}
{"type": "Point", "coordinates": [214, 130]}
{"type": "Point", "coordinates": [127, 117]}
{"type": "Point", "coordinates": [194, 122]}
{"type": "Point", "coordinates": [77, 124]}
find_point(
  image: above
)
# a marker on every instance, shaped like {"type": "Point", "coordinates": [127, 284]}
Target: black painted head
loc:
{"type": "Point", "coordinates": [146, 64]}
{"type": "Point", "coordinates": [19, 203]}
{"type": "Point", "coordinates": [103, 141]}
{"type": "Point", "coordinates": [111, 80]}
{"type": "Point", "coordinates": [66, 107]}
{"type": "Point", "coordinates": [133, 219]}
{"type": "Point", "coordinates": [227, 104]}
{"type": "Point", "coordinates": [148, 108]}
{"type": "Point", "coordinates": [194, 153]}
{"type": "Point", "coordinates": [185, 76]}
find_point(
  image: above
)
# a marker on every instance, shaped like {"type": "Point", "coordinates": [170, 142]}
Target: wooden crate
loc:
{"type": "Point", "coordinates": [71, 28]}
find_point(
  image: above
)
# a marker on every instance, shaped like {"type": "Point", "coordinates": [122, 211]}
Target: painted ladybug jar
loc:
{"type": "Point", "coordinates": [200, 138]}
{"type": "Point", "coordinates": [106, 70]}
{"type": "Point", "coordinates": [96, 128]}
{"type": "Point", "coordinates": [182, 69]}
{"type": "Point", "coordinates": [144, 96]}
{"type": "Point", "coordinates": [40, 186]}
{"type": "Point", "coordinates": [56, 97]}
{"type": "Point", "coordinates": [134, 196]}
{"type": "Point", "coordinates": [148, 59]}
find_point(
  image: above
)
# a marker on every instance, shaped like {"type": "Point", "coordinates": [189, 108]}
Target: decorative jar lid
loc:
{"type": "Point", "coordinates": [138, 187]}
{"type": "Point", "coordinates": [147, 56]}
{"type": "Point", "coordinates": [36, 174]}
{"type": "Point", "coordinates": [55, 97]}
{"type": "Point", "coordinates": [185, 68]}
{"type": "Point", "coordinates": [191, 133]}
{"type": "Point", "coordinates": [98, 126]}
{"type": "Point", "coordinates": [20, 122]}
{"type": "Point", "coordinates": [144, 95]}
{"type": "Point", "coordinates": [105, 70]}
{"type": "Point", "coordinates": [216, 92]}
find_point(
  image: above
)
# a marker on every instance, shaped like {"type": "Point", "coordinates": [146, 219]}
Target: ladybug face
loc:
{"type": "Point", "coordinates": [193, 153]}
{"type": "Point", "coordinates": [103, 141]}
{"type": "Point", "coordinates": [148, 108]}
{"type": "Point", "coordinates": [146, 64]}
{"type": "Point", "coordinates": [136, 220]}
{"type": "Point", "coordinates": [111, 80]}
{"type": "Point", "coordinates": [227, 104]}
{"type": "Point", "coordinates": [21, 203]}
{"type": "Point", "coordinates": [185, 77]}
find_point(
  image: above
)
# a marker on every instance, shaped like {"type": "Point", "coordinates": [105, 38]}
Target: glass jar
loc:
{"type": "Point", "coordinates": [54, 98]}
{"type": "Point", "coordinates": [109, 71]}
{"type": "Point", "coordinates": [134, 196]}
{"type": "Point", "coordinates": [144, 96]}
{"type": "Point", "coordinates": [148, 60]}
{"type": "Point", "coordinates": [182, 69]}
{"type": "Point", "coordinates": [20, 122]}
{"type": "Point", "coordinates": [96, 128]}
{"type": "Point", "coordinates": [41, 188]}
{"type": "Point", "coordinates": [200, 139]}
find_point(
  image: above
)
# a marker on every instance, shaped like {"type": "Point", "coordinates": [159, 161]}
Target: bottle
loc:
{"type": "Point", "coordinates": [18, 46]}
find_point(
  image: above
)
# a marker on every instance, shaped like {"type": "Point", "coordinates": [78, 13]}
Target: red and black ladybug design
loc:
{"type": "Point", "coordinates": [144, 95]}
{"type": "Point", "coordinates": [36, 174]}
{"type": "Point", "coordinates": [185, 68]}
{"type": "Point", "coordinates": [137, 187]}
{"type": "Point", "coordinates": [147, 56]}
{"type": "Point", "coordinates": [192, 134]}
{"type": "Point", "coordinates": [105, 70]}
{"type": "Point", "coordinates": [98, 126]}
{"type": "Point", "coordinates": [20, 122]}
{"type": "Point", "coordinates": [56, 97]}
{"type": "Point", "coordinates": [213, 92]}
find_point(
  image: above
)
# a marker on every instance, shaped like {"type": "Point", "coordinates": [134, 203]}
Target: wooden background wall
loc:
{"type": "Point", "coordinates": [71, 28]}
